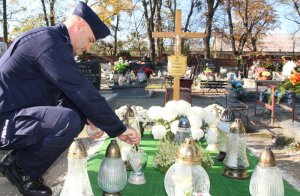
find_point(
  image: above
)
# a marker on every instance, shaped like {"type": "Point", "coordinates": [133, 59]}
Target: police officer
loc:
{"type": "Point", "coordinates": [45, 101]}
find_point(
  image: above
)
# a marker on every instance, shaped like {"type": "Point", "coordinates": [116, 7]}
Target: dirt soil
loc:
{"type": "Point", "coordinates": [262, 135]}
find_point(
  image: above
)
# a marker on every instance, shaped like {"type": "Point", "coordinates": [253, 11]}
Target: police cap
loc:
{"type": "Point", "coordinates": [99, 29]}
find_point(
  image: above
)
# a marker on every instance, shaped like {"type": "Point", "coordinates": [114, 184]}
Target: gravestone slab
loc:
{"type": "Point", "coordinates": [91, 70]}
{"type": "Point", "coordinates": [131, 91]}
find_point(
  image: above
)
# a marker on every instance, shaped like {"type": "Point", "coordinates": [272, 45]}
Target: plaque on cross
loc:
{"type": "Point", "coordinates": [177, 60]}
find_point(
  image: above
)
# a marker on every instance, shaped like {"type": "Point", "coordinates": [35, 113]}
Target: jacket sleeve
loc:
{"type": "Point", "coordinates": [59, 67]}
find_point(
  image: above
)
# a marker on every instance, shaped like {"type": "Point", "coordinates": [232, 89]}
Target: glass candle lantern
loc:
{"type": "Point", "coordinates": [77, 181]}
{"type": "Point", "coordinates": [130, 118]}
{"type": "Point", "coordinates": [186, 176]}
{"type": "Point", "coordinates": [223, 127]}
{"type": "Point", "coordinates": [213, 133]}
{"type": "Point", "coordinates": [236, 160]}
{"type": "Point", "coordinates": [137, 161]}
{"type": "Point", "coordinates": [184, 130]}
{"type": "Point", "coordinates": [266, 179]}
{"type": "Point", "coordinates": [112, 176]}
{"type": "Point", "coordinates": [261, 96]}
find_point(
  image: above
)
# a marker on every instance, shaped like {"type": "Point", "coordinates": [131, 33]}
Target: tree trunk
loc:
{"type": "Point", "coordinates": [5, 34]}
{"type": "Point", "coordinates": [253, 43]}
{"type": "Point", "coordinates": [231, 28]}
{"type": "Point", "coordinates": [45, 12]}
{"type": "Point", "coordinates": [187, 23]}
{"type": "Point", "coordinates": [52, 15]}
{"type": "Point", "coordinates": [160, 46]}
{"type": "Point", "coordinates": [150, 24]}
{"type": "Point", "coordinates": [211, 9]}
{"type": "Point", "coordinates": [116, 36]}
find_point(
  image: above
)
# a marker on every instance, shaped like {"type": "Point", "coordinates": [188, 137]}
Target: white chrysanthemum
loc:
{"type": "Point", "coordinates": [288, 68]}
{"type": "Point", "coordinates": [172, 104]}
{"type": "Point", "coordinates": [195, 121]}
{"type": "Point", "coordinates": [209, 117]}
{"type": "Point", "coordinates": [197, 133]}
{"type": "Point", "coordinates": [199, 111]}
{"type": "Point", "coordinates": [168, 114]}
{"type": "Point", "coordinates": [183, 107]}
{"type": "Point", "coordinates": [155, 112]}
{"type": "Point", "coordinates": [159, 131]}
{"type": "Point", "coordinates": [174, 126]}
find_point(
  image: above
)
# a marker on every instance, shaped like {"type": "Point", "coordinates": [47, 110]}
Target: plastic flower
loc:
{"type": "Point", "coordinates": [266, 73]}
{"type": "Point", "coordinates": [121, 66]}
{"type": "Point", "coordinates": [288, 68]}
{"type": "Point", "coordinates": [295, 78]}
{"type": "Point", "coordinates": [197, 133]}
{"type": "Point", "coordinates": [168, 117]}
{"type": "Point", "coordinates": [169, 114]}
{"type": "Point", "coordinates": [155, 112]}
{"type": "Point", "coordinates": [291, 72]}
{"type": "Point", "coordinates": [195, 121]}
{"type": "Point", "coordinates": [159, 131]}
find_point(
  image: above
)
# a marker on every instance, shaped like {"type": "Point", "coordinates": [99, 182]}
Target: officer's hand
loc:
{"type": "Point", "coordinates": [94, 132]}
{"type": "Point", "coordinates": [130, 136]}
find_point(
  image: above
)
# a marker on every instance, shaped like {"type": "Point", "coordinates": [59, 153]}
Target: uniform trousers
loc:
{"type": "Point", "coordinates": [39, 135]}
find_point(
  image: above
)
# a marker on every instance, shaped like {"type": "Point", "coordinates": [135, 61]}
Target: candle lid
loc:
{"type": "Point", "coordinates": [77, 149]}
{"type": "Point", "coordinates": [267, 158]}
{"type": "Point", "coordinates": [188, 153]}
{"type": "Point", "coordinates": [113, 150]}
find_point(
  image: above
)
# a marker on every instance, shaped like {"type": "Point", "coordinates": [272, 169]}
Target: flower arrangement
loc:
{"type": "Point", "coordinates": [291, 75]}
{"type": "Point", "coordinates": [166, 118]}
{"type": "Point", "coordinates": [121, 66]}
{"type": "Point", "coordinates": [266, 74]}
{"type": "Point", "coordinates": [165, 127]}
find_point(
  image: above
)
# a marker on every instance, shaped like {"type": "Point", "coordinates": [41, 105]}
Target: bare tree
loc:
{"type": "Point", "coordinates": [212, 6]}
{"type": "Point", "coordinates": [5, 34]}
{"type": "Point", "coordinates": [116, 35]}
{"type": "Point", "coordinates": [253, 18]}
{"type": "Point", "coordinates": [149, 17]}
{"type": "Point", "coordinates": [8, 14]}
{"type": "Point", "coordinates": [51, 12]}
{"type": "Point", "coordinates": [159, 42]}
{"type": "Point", "coordinates": [45, 13]}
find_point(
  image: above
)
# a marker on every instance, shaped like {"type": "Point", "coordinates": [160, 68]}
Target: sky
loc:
{"type": "Point", "coordinates": [31, 5]}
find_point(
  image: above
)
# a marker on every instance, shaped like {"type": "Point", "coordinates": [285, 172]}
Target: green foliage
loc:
{"type": "Point", "coordinates": [26, 25]}
{"type": "Point", "coordinates": [121, 66]}
{"type": "Point", "coordinates": [282, 141]}
{"type": "Point", "coordinates": [165, 156]}
{"type": "Point", "coordinates": [207, 70]}
{"type": "Point", "coordinates": [286, 85]}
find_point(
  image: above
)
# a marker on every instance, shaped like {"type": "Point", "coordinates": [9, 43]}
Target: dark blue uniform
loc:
{"type": "Point", "coordinates": [45, 100]}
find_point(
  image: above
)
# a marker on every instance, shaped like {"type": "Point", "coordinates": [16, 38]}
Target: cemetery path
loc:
{"type": "Point", "coordinates": [261, 136]}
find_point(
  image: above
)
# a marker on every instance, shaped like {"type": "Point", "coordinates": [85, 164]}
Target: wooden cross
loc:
{"type": "Point", "coordinates": [178, 35]}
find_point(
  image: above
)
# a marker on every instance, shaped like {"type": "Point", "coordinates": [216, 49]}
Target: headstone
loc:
{"type": "Point", "coordinates": [91, 70]}
{"type": "Point", "coordinates": [3, 48]}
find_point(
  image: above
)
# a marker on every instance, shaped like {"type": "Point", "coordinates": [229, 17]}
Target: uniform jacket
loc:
{"type": "Point", "coordinates": [39, 67]}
